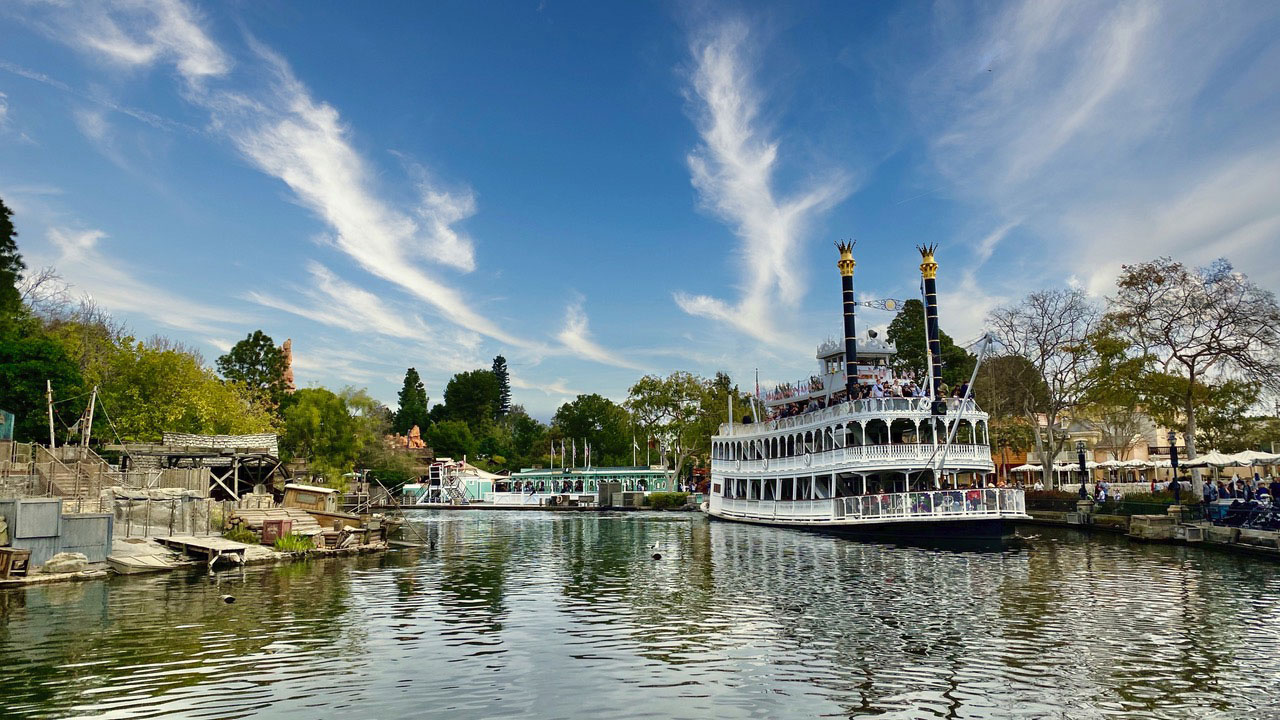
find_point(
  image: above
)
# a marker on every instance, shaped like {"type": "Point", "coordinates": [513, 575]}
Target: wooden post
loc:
{"type": "Point", "coordinates": [48, 393]}
{"type": "Point", "coordinates": [88, 428]}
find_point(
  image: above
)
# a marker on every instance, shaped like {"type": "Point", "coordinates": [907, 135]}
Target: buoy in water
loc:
{"type": "Point", "coordinates": [657, 556]}
{"type": "Point", "coordinates": [228, 599]}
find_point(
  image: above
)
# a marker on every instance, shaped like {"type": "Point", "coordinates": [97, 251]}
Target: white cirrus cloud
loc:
{"type": "Point", "coordinates": [734, 171]}
{"type": "Point", "coordinates": [1113, 132]}
{"type": "Point", "coordinates": [272, 119]}
{"type": "Point", "coordinates": [575, 336]}
{"type": "Point", "coordinates": [123, 288]}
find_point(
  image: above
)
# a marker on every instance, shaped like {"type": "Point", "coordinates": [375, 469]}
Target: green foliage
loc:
{"type": "Point", "coordinates": [667, 500]}
{"type": "Point", "coordinates": [504, 386]}
{"type": "Point", "coordinates": [601, 422]}
{"type": "Point", "coordinates": [452, 438]}
{"type": "Point", "coordinates": [294, 543]}
{"type": "Point", "coordinates": [11, 265]}
{"type": "Point", "coordinates": [25, 364]}
{"type": "Point", "coordinates": [241, 535]}
{"type": "Point", "coordinates": [906, 332]}
{"type": "Point", "coordinates": [258, 364]}
{"type": "Point", "coordinates": [471, 397]}
{"type": "Point", "coordinates": [319, 427]}
{"type": "Point", "coordinates": [150, 388]}
{"type": "Point", "coordinates": [414, 405]}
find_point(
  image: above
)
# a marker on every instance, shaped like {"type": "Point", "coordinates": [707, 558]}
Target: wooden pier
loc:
{"type": "Point", "coordinates": [209, 548]}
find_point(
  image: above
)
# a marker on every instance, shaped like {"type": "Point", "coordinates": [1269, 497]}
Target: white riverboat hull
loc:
{"type": "Point", "coordinates": [943, 516]}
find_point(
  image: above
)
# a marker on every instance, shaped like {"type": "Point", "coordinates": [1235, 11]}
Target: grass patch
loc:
{"type": "Point", "coordinates": [293, 543]}
{"type": "Point", "coordinates": [241, 535]}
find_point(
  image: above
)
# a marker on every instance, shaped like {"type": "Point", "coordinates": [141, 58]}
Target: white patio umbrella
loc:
{"type": "Point", "coordinates": [1026, 468]}
{"type": "Point", "coordinates": [1213, 459]}
{"type": "Point", "coordinates": [1253, 457]}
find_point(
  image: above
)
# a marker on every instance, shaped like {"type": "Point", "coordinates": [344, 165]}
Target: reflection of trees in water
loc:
{"type": "Point", "coordinates": [611, 583]}
{"type": "Point", "coordinates": [161, 632]}
{"type": "Point", "coordinates": [879, 628]}
{"type": "Point", "coordinates": [473, 568]}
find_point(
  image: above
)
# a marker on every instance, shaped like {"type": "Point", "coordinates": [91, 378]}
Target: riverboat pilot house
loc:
{"type": "Point", "coordinates": [856, 449]}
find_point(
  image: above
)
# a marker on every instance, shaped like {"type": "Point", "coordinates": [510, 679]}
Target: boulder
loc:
{"type": "Point", "coordinates": [66, 562]}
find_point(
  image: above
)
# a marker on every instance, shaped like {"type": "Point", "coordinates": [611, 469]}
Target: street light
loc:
{"type": "Point", "coordinates": [1173, 462]}
{"type": "Point", "coordinates": [1084, 494]}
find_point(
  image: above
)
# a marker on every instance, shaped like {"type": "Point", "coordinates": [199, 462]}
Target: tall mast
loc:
{"type": "Point", "coordinates": [846, 264]}
{"type": "Point", "coordinates": [929, 270]}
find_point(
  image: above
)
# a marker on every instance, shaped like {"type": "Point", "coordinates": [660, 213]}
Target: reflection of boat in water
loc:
{"type": "Point", "coordinates": [837, 456]}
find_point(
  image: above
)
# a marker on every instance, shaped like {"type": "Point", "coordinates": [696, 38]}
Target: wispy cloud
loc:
{"type": "Point", "coordinates": [1112, 132]}
{"type": "Point", "coordinates": [123, 288]}
{"type": "Point", "coordinates": [734, 171]}
{"type": "Point", "coordinates": [576, 337]}
{"type": "Point", "coordinates": [272, 119]}
{"type": "Point", "coordinates": [330, 300]}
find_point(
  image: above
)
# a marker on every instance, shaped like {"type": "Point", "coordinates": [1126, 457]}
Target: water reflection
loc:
{"type": "Point", "coordinates": [567, 615]}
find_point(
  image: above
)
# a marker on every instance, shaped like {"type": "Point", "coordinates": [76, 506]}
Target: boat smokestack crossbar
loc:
{"type": "Point", "coordinates": [929, 271]}
{"type": "Point", "coordinates": [846, 264]}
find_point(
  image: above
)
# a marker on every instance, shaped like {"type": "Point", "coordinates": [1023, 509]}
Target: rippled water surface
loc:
{"type": "Point", "coordinates": [567, 615]}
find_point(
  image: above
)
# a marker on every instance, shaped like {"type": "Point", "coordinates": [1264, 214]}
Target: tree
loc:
{"type": "Point", "coordinates": [26, 362]}
{"type": "Point", "coordinates": [11, 265]}
{"type": "Point", "coordinates": [471, 397]}
{"type": "Point", "coordinates": [671, 409]}
{"type": "Point", "coordinates": [1223, 415]}
{"type": "Point", "coordinates": [1115, 403]}
{"type": "Point", "coordinates": [152, 387]}
{"type": "Point", "coordinates": [599, 421]}
{"type": "Point", "coordinates": [319, 428]}
{"type": "Point", "coordinates": [259, 364]}
{"type": "Point", "coordinates": [504, 386]}
{"type": "Point", "coordinates": [1050, 330]}
{"type": "Point", "coordinates": [413, 405]}
{"type": "Point", "coordinates": [1201, 325]}
{"type": "Point", "coordinates": [906, 332]}
{"type": "Point", "coordinates": [452, 438]}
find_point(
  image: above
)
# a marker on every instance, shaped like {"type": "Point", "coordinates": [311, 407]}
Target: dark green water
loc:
{"type": "Point", "coordinates": [566, 615]}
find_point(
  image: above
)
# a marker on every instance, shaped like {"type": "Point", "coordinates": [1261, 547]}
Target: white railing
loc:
{"type": "Point", "coordinates": [975, 502]}
{"type": "Point", "coordinates": [918, 407]}
{"type": "Point", "coordinates": [901, 453]}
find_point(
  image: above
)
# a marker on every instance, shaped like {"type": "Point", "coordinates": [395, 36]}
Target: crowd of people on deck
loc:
{"type": "Point", "coordinates": [1253, 489]}
{"type": "Point", "coordinates": [905, 387]}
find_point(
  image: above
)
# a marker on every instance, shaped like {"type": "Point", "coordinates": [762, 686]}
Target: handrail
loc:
{"type": "Point", "coordinates": [969, 502]}
{"type": "Point", "coordinates": [922, 407]}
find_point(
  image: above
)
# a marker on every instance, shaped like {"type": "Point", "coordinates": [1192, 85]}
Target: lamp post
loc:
{"type": "Point", "coordinates": [1173, 462]}
{"type": "Point", "coordinates": [1084, 494]}
{"type": "Point", "coordinates": [1004, 463]}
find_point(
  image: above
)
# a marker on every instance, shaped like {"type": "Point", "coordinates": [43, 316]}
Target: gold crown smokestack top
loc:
{"type": "Point", "coordinates": [846, 264]}
{"type": "Point", "coordinates": [929, 271]}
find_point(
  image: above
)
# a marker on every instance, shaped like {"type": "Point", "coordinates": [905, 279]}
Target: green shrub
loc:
{"type": "Point", "coordinates": [666, 500]}
{"type": "Point", "coordinates": [241, 535]}
{"type": "Point", "coordinates": [293, 542]}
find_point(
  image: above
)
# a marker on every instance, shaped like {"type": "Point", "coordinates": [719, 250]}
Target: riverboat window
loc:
{"type": "Point", "coordinates": [754, 489]}
{"type": "Point", "coordinates": [715, 488]}
{"type": "Point", "coordinates": [768, 490]}
{"type": "Point", "coordinates": [787, 491]}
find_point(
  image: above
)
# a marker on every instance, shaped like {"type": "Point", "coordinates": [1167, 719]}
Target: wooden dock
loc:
{"type": "Point", "coordinates": [211, 549]}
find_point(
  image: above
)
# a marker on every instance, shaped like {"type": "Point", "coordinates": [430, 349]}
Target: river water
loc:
{"type": "Point", "coordinates": [565, 615]}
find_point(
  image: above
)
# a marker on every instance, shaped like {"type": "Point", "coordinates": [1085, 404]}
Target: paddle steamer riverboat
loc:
{"type": "Point", "coordinates": [904, 467]}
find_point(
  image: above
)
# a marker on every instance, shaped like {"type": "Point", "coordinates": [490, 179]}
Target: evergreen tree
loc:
{"type": "Point", "coordinates": [258, 363]}
{"type": "Point", "coordinates": [11, 265]}
{"type": "Point", "coordinates": [504, 386]}
{"type": "Point", "coordinates": [471, 397]}
{"type": "Point", "coordinates": [906, 332]}
{"type": "Point", "coordinates": [413, 405]}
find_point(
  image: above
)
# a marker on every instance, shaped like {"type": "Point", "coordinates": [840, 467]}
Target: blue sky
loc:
{"type": "Point", "coordinates": [599, 190]}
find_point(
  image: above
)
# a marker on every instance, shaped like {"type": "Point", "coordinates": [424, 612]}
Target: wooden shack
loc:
{"type": "Point", "coordinates": [311, 498]}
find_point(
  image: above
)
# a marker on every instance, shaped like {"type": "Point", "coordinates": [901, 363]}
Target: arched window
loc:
{"type": "Point", "coordinates": [808, 441]}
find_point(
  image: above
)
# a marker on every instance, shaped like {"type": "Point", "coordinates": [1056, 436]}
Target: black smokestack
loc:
{"type": "Point", "coordinates": [929, 269]}
{"type": "Point", "coordinates": [846, 264]}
